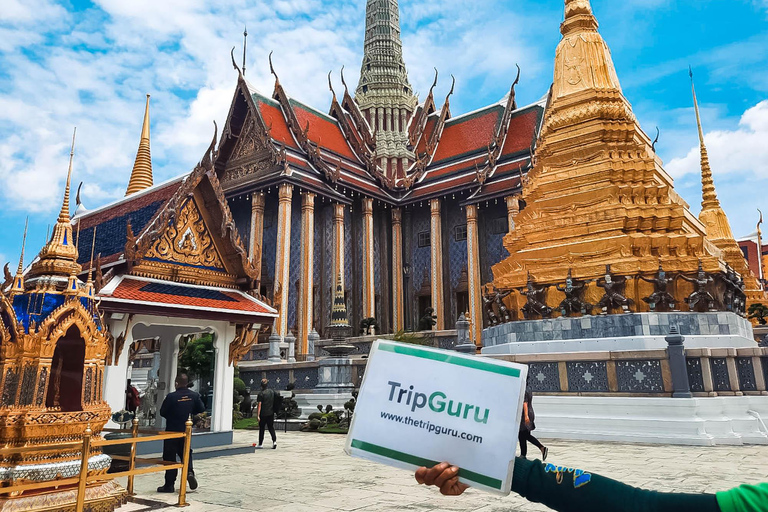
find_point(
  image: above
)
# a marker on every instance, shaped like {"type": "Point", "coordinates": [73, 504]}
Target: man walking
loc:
{"type": "Point", "coordinates": [176, 409]}
{"type": "Point", "coordinates": [265, 412]}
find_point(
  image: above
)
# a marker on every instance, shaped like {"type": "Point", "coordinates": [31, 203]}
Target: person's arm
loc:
{"type": "Point", "coordinates": [166, 407]}
{"type": "Point", "coordinates": [574, 490]}
{"type": "Point", "coordinates": [525, 413]}
{"type": "Point", "coordinates": [199, 405]}
{"type": "Point", "coordinates": [258, 407]}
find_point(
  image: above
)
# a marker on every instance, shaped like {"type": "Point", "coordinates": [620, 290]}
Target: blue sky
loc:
{"type": "Point", "coordinates": [89, 63]}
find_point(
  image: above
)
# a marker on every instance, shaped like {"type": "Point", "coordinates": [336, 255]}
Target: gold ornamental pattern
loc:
{"type": "Point", "coordinates": [187, 240]}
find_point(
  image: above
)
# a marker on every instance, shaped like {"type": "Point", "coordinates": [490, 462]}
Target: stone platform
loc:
{"type": "Point", "coordinates": [632, 331]}
{"type": "Point", "coordinates": [732, 420]}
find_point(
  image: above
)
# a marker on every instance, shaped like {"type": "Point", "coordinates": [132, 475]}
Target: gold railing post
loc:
{"type": "Point", "coordinates": [83, 470]}
{"type": "Point", "coordinates": [185, 464]}
{"type": "Point", "coordinates": [132, 461]}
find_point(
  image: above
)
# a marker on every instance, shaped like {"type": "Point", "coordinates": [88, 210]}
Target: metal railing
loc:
{"type": "Point", "coordinates": [85, 445]}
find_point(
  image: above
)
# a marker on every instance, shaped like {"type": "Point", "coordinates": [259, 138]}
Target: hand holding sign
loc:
{"type": "Point", "coordinates": [406, 418]}
{"type": "Point", "coordinates": [444, 476]}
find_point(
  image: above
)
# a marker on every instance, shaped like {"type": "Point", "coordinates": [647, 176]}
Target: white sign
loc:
{"type": "Point", "coordinates": [419, 406]}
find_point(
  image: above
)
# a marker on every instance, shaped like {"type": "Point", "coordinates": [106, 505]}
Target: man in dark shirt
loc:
{"type": "Point", "coordinates": [176, 409]}
{"type": "Point", "coordinates": [265, 413]}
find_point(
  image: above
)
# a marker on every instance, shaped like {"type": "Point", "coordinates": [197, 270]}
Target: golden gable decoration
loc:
{"type": "Point", "coordinates": [187, 241]}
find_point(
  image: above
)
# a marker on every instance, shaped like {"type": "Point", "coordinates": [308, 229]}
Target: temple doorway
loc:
{"type": "Point", "coordinates": [65, 389]}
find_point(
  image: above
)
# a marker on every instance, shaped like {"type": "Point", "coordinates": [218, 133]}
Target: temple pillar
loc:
{"type": "Point", "coordinates": [473, 276]}
{"type": "Point", "coordinates": [397, 269]}
{"type": "Point", "coordinates": [369, 284]}
{"type": "Point", "coordinates": [338, 248]}
{"type": "Point", "coordinates": [223, 379]}
{"type": "Point", "coordinates": [306, 280]}
{"type": "Point", "coordinates": [283, 258]}
{"type": "Point", "coordinates": [436, 247]}
{"type": "Point", "coordinates": [257, 230]}
{"type": "Point", "coordinates": [115, 376]}
{"type": "Point", "coordinates": [513, 208]}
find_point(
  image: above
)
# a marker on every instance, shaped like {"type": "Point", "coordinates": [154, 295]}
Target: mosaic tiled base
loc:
{"type": "Point", "coordinates": [723, 329]}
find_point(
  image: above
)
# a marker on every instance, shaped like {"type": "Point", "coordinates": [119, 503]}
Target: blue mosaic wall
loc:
{"type": "Point", "coordinates": [421, 261]}
{"type": "Point", "coordinates": [241, 213]}
{"type": "Point", "coordinates": [317, 266]}
{"type": "Point", "coordinates": [295, 266]}
{"type": "Point", "coordinates": [329, 283]}
{"type": "Point", "coordinates": [492, 249]}
{"type": "Point", "coordinates": [457, 254]}
{"type": "Point", "coordinates": [269, 245]}
{"type": "Point", "coordinates": [377, 253]}
{"type": "Point", "coordinates": [348, 259]}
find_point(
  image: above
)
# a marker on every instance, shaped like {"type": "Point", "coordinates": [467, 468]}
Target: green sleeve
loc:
{"type": "Point", "coordinates": [746, 498]}
{"type": "Point", "coordinates": [574, 490]}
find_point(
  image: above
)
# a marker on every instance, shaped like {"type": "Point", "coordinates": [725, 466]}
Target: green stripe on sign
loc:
{"type": "Point", "coordinates": [419, 461]}
{"type": "Point", "coordinates": [443, 357]}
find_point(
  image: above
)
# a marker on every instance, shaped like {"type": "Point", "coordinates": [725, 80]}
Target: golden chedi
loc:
{"type": "Point", "coordinates": [598, 194]}
{"type": "Point", "coordinates": [53, 348]}
{"type": "Point", "coordinates": [716, 222]}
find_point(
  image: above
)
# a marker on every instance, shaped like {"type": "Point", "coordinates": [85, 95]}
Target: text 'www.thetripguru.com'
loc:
{"type": "Point", "coordinates": [431, 427]}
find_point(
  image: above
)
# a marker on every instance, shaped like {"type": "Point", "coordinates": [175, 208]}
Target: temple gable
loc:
{"type": "Point", "coordinates": [187, 241]}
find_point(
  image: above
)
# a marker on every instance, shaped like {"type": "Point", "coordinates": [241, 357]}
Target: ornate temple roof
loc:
{"type": "Point", "coordinates": [158, 297]}
{"type": "Point", "coordinates": [273, 139]}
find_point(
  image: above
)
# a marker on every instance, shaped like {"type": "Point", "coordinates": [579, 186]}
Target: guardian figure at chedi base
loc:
{"type": "Point", "coordinates": [660, 296]}
{"type": "Point", "coordinates": [53, 348]}
{"type": "Point", "coordinates": [598, 195]}
{"type": "Point", "coordinates": [574, 293]}
{"type": "Point", "coordinates": [536, 303]}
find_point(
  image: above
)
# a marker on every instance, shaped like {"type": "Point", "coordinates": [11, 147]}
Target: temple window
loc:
{"type": "Point", "coordinates": [500, 225]}
{"type": "Point", "coordinates": [65, 388]}
{"type": "Point", "coordinates": [460, 233]}
{"type": "Point", "coordinates": [424, 239]}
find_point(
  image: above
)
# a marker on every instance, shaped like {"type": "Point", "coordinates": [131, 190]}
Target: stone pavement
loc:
{"type": "Point", "coordinates": [310, 472]}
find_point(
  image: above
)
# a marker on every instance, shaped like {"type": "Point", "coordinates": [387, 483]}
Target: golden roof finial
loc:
{"type": "Point", "coordinates": [578, 15]}
{"type": "Point", "coordinates": [141, 176]}
{"type": "Point", "coordinates": [59, 255]}
{"type": "Point", "coordinates": [23, 244]}
{"type": "Point", "coordinates": [708, 193]}
{"type": "Point", "coordinates": [18, 281]}
{"type": "Point", "coordinates": [64, 213]}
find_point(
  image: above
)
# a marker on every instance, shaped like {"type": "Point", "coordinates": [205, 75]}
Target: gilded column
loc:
{"type": "Point", "coordinates": [437, 264]}
{"type": "Point", "coordinates": [473, 275]}
{"type": "Point", "coordinates": [513, 208]}
{"type": "Point", "coordinates": [369, 285]}
{"type": "Point", "coordinates": [257, 230]}
{"type": "Point", "coordinates": [338, 236]}
{"type": "Point", "coordinates": [306, 281]}
{"type": "Point", "coordinates": [283, 258]}
{"type": "Point", "coordinates": [397, 269]}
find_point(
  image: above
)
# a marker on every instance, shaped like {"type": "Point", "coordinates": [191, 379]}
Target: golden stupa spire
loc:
{"type": "Point", "coordinates": [712, 214]}
{"type": "Point", "coordinates": [64, 213]}
{"type": "Point", "coordinates": [18, 281]}
{"type": "Point", "coordinates": [708, 193]}
{"type": "Point", "coordinates": [578, 14]}
{"type": "Point", "coordinates": [59, 255]}
{"type": "Point", "coordinates": [141, 176]}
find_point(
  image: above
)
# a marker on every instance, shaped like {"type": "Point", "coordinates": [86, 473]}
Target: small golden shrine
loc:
{"type": "Point", "coordinates": [597, 195]}
{"type": "Point", "coordinates": [52, 356]}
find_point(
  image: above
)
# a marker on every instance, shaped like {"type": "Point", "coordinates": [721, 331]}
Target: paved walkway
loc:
{"type": "Point", "coordinates": [310, 472]}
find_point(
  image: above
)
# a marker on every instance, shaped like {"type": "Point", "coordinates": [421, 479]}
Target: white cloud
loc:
{"type": "Point", "coordinates": [91, 69]}
{"type": "Point", "coordinates": [740, 151]}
